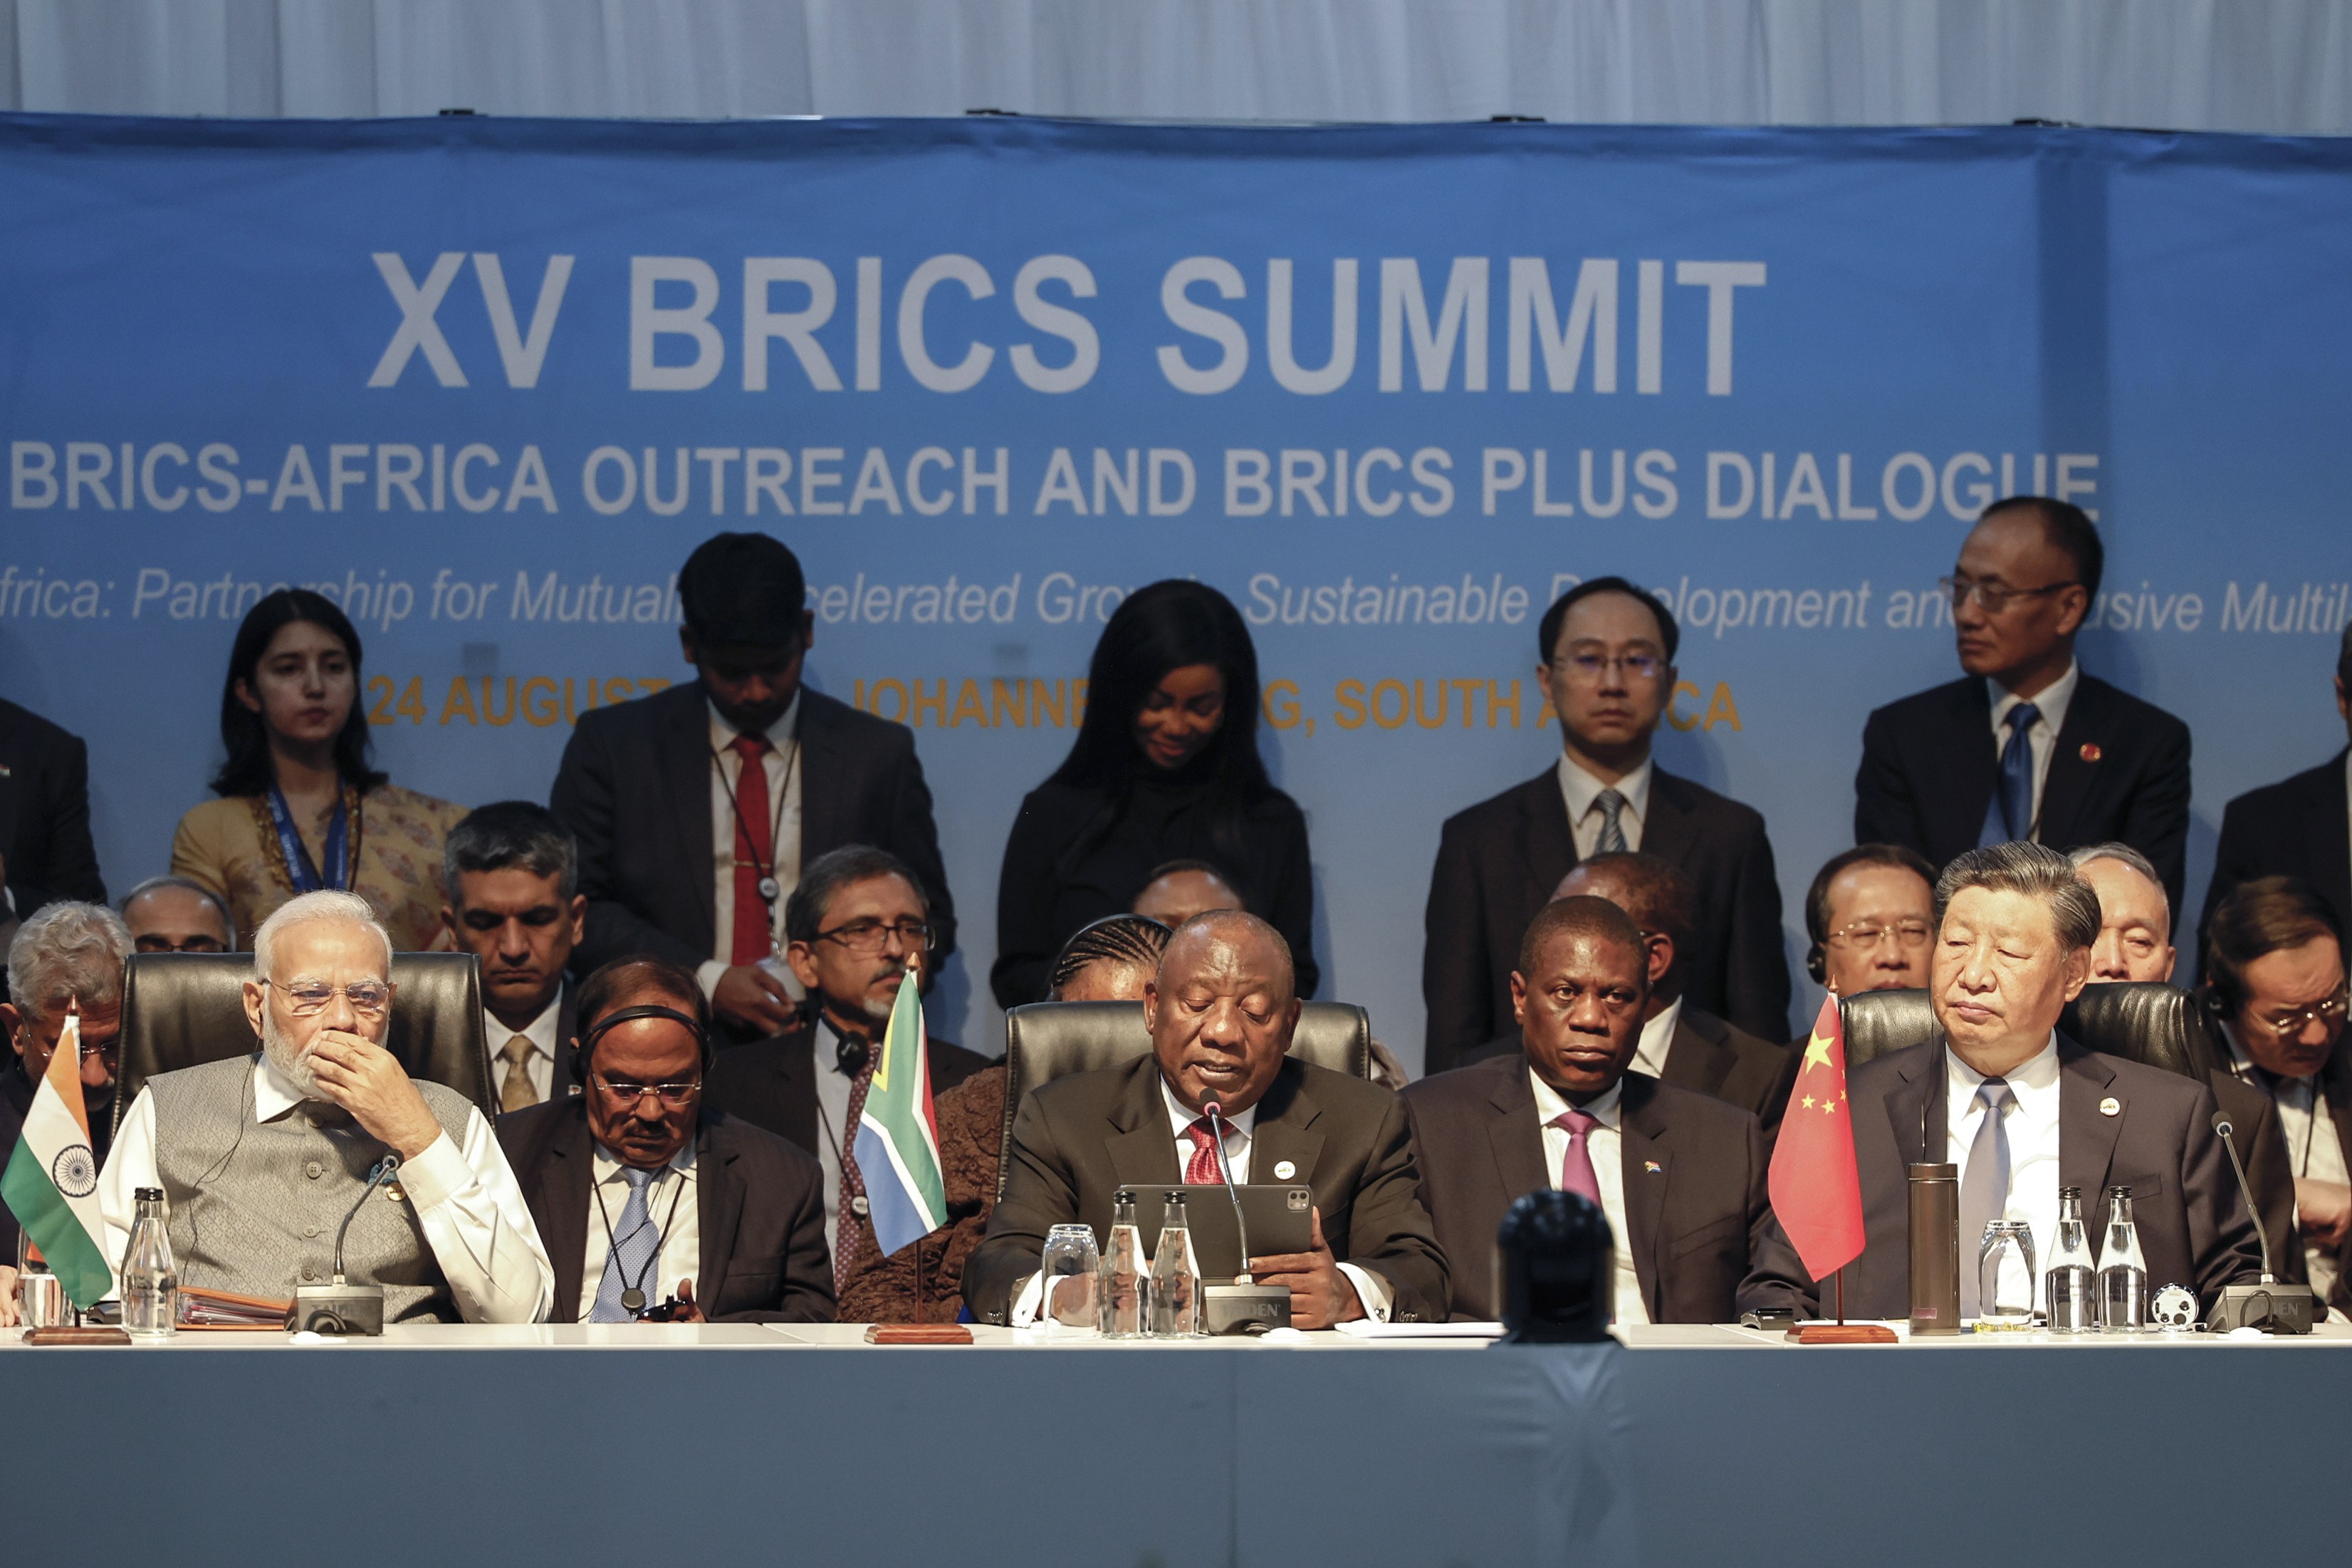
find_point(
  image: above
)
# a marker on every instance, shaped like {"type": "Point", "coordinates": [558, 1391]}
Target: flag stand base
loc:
{"type": "Point", "coordinates": [1842, 1335]}
{"type": "Point", "coordinates": [918, 1334]}
{"type": "Point", "coordinates": [89, 1334]}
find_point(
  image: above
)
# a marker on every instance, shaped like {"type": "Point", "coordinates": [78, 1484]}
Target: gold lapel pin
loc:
{"type": "Point", "coordinates": [2089, 752]}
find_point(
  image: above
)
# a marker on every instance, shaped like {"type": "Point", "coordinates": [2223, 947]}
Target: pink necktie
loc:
{"type": "Point", "coordinates": [1576, 1167]}
{"type": "Point", "coordinates": [1201, 1170]}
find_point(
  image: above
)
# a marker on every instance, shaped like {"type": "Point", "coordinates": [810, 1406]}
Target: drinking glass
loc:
{"type": "Point", "coordinates": [2005, 1277]}
{"type": "Point", "coordinates": [1070, 1268]}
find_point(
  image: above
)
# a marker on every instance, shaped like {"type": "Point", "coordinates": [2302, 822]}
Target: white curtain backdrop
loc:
{"type": "Point", "coordinates": [2278, 65]}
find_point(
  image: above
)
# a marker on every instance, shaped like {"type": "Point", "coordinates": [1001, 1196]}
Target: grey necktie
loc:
{"type": "Point", "coordinates": [630, 1261]}
{"type": "Point", "coordinates": [1612, 832]}
{"type": "Point", "coordinates": [1984, 1191]}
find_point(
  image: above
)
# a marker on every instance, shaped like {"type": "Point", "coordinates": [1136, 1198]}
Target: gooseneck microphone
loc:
{"type": "Point", "coordinates": [2222, 1130]}
{"type": "Point", "coordinates": [385, 1168]}
{"type": "Point", "coordinates": [2273, 1306]}
{"type": "Point", "coordinates": [342, 1308]}
{"type": "Point", "coordinates": [1215, 1113]}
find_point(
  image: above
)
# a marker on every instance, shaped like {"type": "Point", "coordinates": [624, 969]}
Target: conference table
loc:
{"type": "Point", "coordinates": [732, 1442]}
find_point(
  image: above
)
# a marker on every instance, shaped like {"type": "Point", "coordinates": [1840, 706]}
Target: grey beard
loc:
{"type": "Point", "coordinates": [289, 1059]}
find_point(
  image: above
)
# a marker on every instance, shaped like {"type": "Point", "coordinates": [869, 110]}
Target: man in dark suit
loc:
{"type": "Point", "coordinates": [697, 808]}
{"type": "Point", "coordinates": [2299, 827]}
{"type": "Point", "coordinates": [68, 953]}
{"type": "Point", "coordinates": [1607, 650]}
{"type": "Point", "coordinates": [858, 926]}
{"type": "Point", "coordinates": [1221, 1010]}
{"type": "Point", "coordinates": [2022, 1110]}
{"type": "Point", "coordinates": [2136, 945]}
{"type": "Point", "coordinates": [511, 873]}
{"type": "Point", "coordinates": [2026, 745]}
{"type": "Point", "coordinates": [643, 1195]}
{"type": "Point", "coordinates": [1677, 1043]}
{"type": "Point", "coordinates": [1680, 1175]}
{"type": "Point", "coordinates": [45, 847]}
{"type": "Point", "coordinates": [2275, 984]}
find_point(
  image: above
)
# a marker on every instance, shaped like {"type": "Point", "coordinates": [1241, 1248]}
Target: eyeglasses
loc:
{"type": "Point", "coordinates": [624, 1093]}
{"type": "Point", "coordinates": [874, 936]}
{"type": "Point", "coordinates": [2327, 1012]}
{"type": "Point", "coordinates": [1994, 596]}
{"type": "Point", "coordinates": [368, 998]}
{"type": "Point", "coordinates": [1591, 669]}
{"type": "Point", "coordinates": [1909, 935]}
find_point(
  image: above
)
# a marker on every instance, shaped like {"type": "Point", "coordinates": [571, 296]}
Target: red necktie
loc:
{"type": "Point", "coordinates": [755, 851]}
{"type": "Point", "coordinates": [1576, 1167]}
{"type": "Point", "coordinates": [1201, 1170]}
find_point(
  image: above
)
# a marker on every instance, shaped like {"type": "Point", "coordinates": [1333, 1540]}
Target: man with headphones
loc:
{"type": "Point", "coordinates": [653, 1206]}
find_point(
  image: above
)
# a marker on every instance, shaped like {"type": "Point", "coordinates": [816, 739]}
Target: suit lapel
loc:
{"type": "Point", "coordinates": [822, 809]}
{"type": "Point", "coordinates": [794, 1059]}
{"type": "Point", "coordinates": [1914, 1105]}
{"type": "Point", "coordinates": [2327, 833]}
{"type": "Point", "coordinates": [1287, 1135]}
{"type": "Point", "coordinates": [1550, 844]}
{"type": "Point", "coordinates": [564, 1175]}
{"type": "Point", "coordinates": [1516, 1137]}
{"type": "Point", "coordinates": [1668, 831]}
{"type": "Point", "coordinates": [2067, 787]}
{"type": "Point", "coordinates": [683, 761]}
{"type": "Point", "coordinates": [2086, 1136]}
{"type": "Point", "coordinates": [717, 1209]}
{"type": "Point", "coordinates": [1642, 1136]}
{"type": "Point", "coordinates": [560, 1087]}
{"type": "Point", "coordinates": [1141, 1148]}
{"type": "Point", "coordinates": [1693, 1061]}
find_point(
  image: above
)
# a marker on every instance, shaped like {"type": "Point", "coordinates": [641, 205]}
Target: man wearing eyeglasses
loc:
{"type": "Point", "coordinates": [1607, 671]}
{"type": "Point", "coordinates": [654, 1204]}
{"type": "Point", "coordinates": [2275, 981]}
{"type": "Point", "coordinates": [2026, 746]}
{"type": "Point", "coordinates": [858, 917]}
{"type": "Point", "coordinates": [67, 954]}
{"type": "Point", "coordinates": [262, 1157]}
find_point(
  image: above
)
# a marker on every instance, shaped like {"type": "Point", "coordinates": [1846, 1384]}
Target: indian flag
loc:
{"type": "Point", "coordinates": [898, 1138]}
{"type": "Point", "coordinates": [51, 1185]}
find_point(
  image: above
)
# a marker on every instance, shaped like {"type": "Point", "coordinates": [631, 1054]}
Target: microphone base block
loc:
{"type": "Point", "coordinates": [2279, 1309]}
{"type": "Point", "coordinates": [347, 1309]}
{"type": "Point", "coordinates": [1236, 1309]}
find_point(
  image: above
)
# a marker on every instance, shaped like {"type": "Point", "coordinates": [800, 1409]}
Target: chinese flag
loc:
{"type": "Point", "coordinates": [1815, 1190]}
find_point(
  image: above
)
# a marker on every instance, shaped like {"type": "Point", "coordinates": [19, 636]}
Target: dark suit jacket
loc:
{"type": "Point", "coordinates": [45, 814]}
{"type": "Point", "coordinates": [635, 789]}
{"type": "Point", "coordinates": [2193, 1228]}
{"type": "Point", "coordinates": [1079, 1139]}
{"type": "Point", "coordinates": [758, 1202]}
{"type": "Point", "coordinates": [2296, 828]}
{"type": "Point", "coordinates": [1929, 768]}
{"type": "Point", "coordinates": [1498, 862]}
{"type": "Point", "coordinates": [772, 1083]}
{"type": "Point", "coordinates": [1708, 1056]}
{"type": "Point", "coordinates": [1695, 1173]}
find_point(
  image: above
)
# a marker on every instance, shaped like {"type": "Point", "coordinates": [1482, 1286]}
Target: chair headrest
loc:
{"type": "Point", "coordinates": [2153, 1023]}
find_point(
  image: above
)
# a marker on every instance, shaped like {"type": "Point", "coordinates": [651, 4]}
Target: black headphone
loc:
{"type": "Point", "coordinates": [582, 1048]}
{"type": "Point", "coordinates": [1817, 964]}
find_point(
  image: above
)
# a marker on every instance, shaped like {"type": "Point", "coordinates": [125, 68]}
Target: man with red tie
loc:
{"type": "Point", "coordinates": [696, 807]}
{"type": "Point", "coordinates": [1679, 1174]}
{"type": "Point", "coordinates": [1221, 1010]}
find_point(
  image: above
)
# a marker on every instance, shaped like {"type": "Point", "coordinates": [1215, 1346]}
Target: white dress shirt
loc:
{"type": "Point", "coordinates": [2032, 1123]}
{"type": "Point", "coordinates": [1582, 793]}
{"type": "Point", "coordinates": [1372, 1290]}
{"type": "Point", "coordinates": [1658, 1041]}
{"type": "Point", "coordinates": [781, 764]}
{"type": "Point", "coordinates": [672, 1203]}
{"type": "Point", "coordinates": [2314, 1152]}
{"type": "Point", "coordinates": [540, 1032]}
{"type": "Point", "coordinates": [463, 1193]}
{"type": "Point", "coordinates": [1605, 1146]}
{"type": "Point", "coordinates": [2041, 736]}
{"type": "Point", "coordinates": [833, 1086]}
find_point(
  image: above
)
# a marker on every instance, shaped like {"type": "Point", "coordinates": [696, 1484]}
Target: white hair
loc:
{"type": "Point", "coordinates": [67, 951]}
{"type": "Point", "coordinates": [329, 904]}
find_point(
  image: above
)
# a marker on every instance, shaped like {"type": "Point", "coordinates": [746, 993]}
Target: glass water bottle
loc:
{"type": "Point", "coordinates": [2071, 1285]}
{"type": "Point", "coordinates": [1124, 1288]}
{"type": "Point", "coordinates": [2123, 1272]}
{"type": "Point", "coordinates": [1175, 1277]}
{"type": "Point", "coordinates": [150, 1284]}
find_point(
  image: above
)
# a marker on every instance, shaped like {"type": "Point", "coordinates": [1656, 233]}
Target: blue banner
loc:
{"type": "Point", "coordinates": [485, 383]}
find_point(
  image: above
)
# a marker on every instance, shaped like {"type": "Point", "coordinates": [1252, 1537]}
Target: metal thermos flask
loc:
{"type": "Point", "coordinates": [1935, 1249]}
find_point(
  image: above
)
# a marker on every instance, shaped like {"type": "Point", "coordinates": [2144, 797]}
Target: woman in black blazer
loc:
{"type": "Point", "coordinates": [1165, 768]}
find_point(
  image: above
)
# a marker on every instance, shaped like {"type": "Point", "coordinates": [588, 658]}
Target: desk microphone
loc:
{"type": "Point", "coordinates": [341, 1307]}
{"type": "Point", "coordinates": [1244, 1306]}
{"type": "Point", "coordinates": [2270, 1305]}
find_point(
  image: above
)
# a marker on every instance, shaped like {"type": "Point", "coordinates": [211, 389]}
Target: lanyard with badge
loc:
{"type": "Point", "coordinates": [341, 844]}
{"type": "Point", "coordinates": [633, 1291]}
{"type": "Point", "coordinates": [771, 890]}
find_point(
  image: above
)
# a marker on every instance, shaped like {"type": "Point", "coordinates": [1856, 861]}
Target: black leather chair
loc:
{"type": "Point", "coordinates": [2150, 1023]}
{"type": "Point", "coordinates": [1047, 1040]}
{"type": "Point", "coordinates": [184, 1009]}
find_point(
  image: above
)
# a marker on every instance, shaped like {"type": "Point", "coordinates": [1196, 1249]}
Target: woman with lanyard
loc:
{"type": "Point", "coordinates": [299, 807]}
